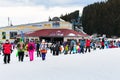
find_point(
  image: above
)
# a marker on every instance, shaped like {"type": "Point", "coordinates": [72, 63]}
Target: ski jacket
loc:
{"type": "Point", "coordinates": [43, 48]}
{"type": "Point", "coordinates": [7, 48]}
{"type": "Point", "coordinates": [66, 48]}
{"type": "Point", "coordinates": [37, 46]}
{"type": "Point", "coordinates": [87, 43]}
{"type": "Point", "coordinates": [31, 44]}
{"type": "Point", "coordinates": [102, 43]}
{"type": "Point", "coordinates": [20, 46]}
{"type": "Point", "coordinates": [82, 42]}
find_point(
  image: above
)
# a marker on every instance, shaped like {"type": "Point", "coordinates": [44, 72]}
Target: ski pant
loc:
{"type": "Point", "coordinates": [38, 53]}
{"type": "Point", "coordinates": [57, 52]}
{"type": "Point", "coordinates": [71, 49]}
{"type": "Point", "coordinates": [6, 58]}
{"type": "Point", "coordinates": [54, 52]}
{"type": "Point", "coordinates": [31, 55]}
{"type": "Point", "coordinates": [82, 49]}
{"type": "Point", "coordinates": [21, 55]}
{"type": "Point", "coordinates": [43, 56]}
{"type": "Point", "coordinates": [66, 52]}
{"type": "Point", "coordinates": [102, 47]}
{"type": "Point", "coordinates": [87, 48]}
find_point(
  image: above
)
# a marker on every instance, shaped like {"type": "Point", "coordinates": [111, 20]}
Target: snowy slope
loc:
{"type": "Point", "coordinates": [97, 65]}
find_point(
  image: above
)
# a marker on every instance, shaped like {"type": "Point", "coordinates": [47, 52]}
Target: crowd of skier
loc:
{"type": "Point", "coordinates": [28, 48]}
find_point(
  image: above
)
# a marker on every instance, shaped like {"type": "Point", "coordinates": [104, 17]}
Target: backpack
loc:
{"type": "Point", "coordinates": [31, 47]}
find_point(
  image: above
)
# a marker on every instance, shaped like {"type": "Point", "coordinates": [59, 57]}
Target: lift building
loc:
{"type": "Point", "coordinates": [56, 29]}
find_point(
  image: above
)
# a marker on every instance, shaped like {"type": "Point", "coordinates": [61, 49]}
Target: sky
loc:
{"type": "Point", "coordinates": [30, 11]}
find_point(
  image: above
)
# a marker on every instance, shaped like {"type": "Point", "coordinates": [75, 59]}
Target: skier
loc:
{"type": "Point", "coordinates": [71, 46]}
{"type": "Point", "coordinates": [31, 49]}
{"type": "Point", "coordinates": [88, 45]}
{"type": "Point", "coordinates": [74, 49]}
{"type": "Point", "coordinates": [78, 48]}
{"type": "Point", "coordinates": [37, 49]}
{"type": "Point", "coordinates": [7, 50]}
{"type": "Point", "coordinates": [21, 50]}
{"type": "Point", "coordinates": [82, 45]}
{"type": "Point", "coordinates": [0, 48]}
{"type": "Point", "coordinates": [66, 49]}
{"type": "Point", "coordinates": [57, 48]}
{"type": "Point", "coordinates": [43, 49]}
{"type": "Point", "coordinates": [102, 44]}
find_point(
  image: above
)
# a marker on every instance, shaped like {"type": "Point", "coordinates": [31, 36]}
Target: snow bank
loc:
{"type": "Point", "coordinates": [97, 65]}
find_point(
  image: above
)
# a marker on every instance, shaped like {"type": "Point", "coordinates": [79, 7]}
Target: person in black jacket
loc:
{"type": "Point", "coordinates": [37, 49]}
{"type": "Point", "coordinates": [57, 48]}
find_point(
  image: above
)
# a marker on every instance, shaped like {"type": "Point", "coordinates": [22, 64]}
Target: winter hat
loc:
{"type": "Point", "coordinates": [43, 41]}
{"type": "Point", "coordinates": [7, 41]}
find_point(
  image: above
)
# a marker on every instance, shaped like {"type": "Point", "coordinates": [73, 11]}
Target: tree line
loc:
{"type": "Point", "coordinates": [102, 18]}
{"type": "Point", "coordinates": [99, 18]}
{"type": "Point", "coordinates": [73, 18]}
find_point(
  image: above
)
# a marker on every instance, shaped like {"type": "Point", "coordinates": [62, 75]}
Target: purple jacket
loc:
{"type": "Point", "coordinates": [29, 44]}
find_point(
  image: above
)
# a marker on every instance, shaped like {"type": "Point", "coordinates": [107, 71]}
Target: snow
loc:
{"type": "Point", "coordinates": [96, 65]}
{"type": "Point", "coordinates": [71, 34]}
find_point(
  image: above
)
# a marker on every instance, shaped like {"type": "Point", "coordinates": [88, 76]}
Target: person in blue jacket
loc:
{"type": "Point", "coordinates": [82, 45]}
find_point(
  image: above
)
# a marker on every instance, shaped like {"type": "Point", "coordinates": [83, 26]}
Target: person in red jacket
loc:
{"type": "Point", "coordinates": [7, 50]}
{"type": "Point", "coordinates": [88, 42]}
{"type": "Point", "coordinates": [102, 44]}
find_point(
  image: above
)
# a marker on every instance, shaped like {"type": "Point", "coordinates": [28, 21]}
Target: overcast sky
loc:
{"type": "Point", "coordinates": [30, 11]}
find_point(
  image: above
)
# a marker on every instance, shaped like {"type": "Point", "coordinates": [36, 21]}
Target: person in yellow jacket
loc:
{"type": "Point", "coordinates": [26, 50]}
{"type": "Point", "coordinates": [66, 49]}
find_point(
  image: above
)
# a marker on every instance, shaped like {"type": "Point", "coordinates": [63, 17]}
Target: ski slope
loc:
{"type": "Point", "coordinates": [97, 65]}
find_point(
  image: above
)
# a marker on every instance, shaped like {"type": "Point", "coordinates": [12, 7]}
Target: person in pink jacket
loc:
{"type": "Point", "coordinates": [31, 49]}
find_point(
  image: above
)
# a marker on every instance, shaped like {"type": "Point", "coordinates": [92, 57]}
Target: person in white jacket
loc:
{"type": "Point", "coordinates": [43, 49]}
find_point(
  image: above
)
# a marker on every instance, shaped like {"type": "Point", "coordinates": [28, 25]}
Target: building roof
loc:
{"type": "Point", "coordinates": [56, 19]}
{"type": "Point", "coordinates": [54, 33]}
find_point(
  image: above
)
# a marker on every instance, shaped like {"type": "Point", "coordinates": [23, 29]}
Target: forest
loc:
{"type": "Point", "coordinates": [98, 18]}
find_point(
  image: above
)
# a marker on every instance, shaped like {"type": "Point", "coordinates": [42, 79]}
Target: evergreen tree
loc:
{"type": "Point", "coordinates": [102, 18]}
{"type": "Point", "coordinates": [73, 18]}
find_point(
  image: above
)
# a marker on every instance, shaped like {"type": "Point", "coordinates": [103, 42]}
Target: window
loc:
{"type": "Point", "coordinates": [13, 35]}
{"type": "Point", "coordinates": [56, 24]}
{"type": "Point", "coordinates": [3, 35]}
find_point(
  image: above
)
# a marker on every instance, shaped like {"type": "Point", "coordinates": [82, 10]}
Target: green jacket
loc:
{"type": "Point", "coordinates": [20, 46]}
